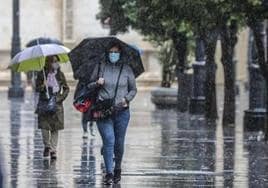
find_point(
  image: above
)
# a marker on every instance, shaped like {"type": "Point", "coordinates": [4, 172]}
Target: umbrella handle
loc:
{"type": "Point", "coordinates": [45, 80]}
{"type": "Point", "coordinates": [44, 74]}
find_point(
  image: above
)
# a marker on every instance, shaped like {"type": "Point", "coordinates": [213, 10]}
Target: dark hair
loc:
{"type": "Point", "coordinates": [51, 57]}
{"type": "Point", "coordinates": [57, 57]}
{"type": "Point", "coordinates": [114, 44]}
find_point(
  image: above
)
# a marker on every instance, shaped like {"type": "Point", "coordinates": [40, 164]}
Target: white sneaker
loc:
{"type": "Point", "coordinates": [85, 135]}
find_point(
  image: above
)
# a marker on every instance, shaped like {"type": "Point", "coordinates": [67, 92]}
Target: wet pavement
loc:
{"type": "Point", "coordinates": [164, 149]}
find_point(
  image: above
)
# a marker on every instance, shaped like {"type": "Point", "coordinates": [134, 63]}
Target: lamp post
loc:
{"type": "Point", "coordinates": [15, 90]}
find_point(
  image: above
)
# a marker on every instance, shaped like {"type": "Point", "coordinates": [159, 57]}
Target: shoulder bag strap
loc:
{"type": "Point", "coordinates": [117, 83]}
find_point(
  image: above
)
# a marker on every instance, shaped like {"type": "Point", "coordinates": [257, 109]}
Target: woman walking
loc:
{"type": "Point", "coordinates": [50, 124]}
{"type": "Point", "coordinates": [117, 81]}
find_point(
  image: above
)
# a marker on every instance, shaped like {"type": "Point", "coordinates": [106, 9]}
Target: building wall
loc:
{"type": "Point", "coordinates": [37, 18]}
{"type": "Point", "coordinates": [5, 24]}
{"type": "Point", "coordinates": [85, 22]}
{"type": "Point", "coordinates": [40, 18]}
{"type": "Point", "coordinates": [241, 57]}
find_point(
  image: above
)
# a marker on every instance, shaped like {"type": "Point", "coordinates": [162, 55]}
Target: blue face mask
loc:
{"type": "Point", "coordinates": [114, 57]}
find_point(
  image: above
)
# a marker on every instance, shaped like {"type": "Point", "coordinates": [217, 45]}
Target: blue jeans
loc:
{"type": "Point", "coordinates": [113, 131]}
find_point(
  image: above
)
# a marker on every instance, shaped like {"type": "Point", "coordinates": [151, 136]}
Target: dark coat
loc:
{"type": "Point", "coordinates": [55, 121]}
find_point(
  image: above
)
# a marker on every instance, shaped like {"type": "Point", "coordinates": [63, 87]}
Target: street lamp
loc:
{"type": "Point", "coordinates": [15, 90]}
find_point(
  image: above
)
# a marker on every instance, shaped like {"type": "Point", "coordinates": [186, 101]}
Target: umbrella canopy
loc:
{"type": "Point", "coordinates": [93, 50]}
{"type": "Point", "coordinates": [33, 58]}
{"type": "Point", "coordinates": [43, 40]}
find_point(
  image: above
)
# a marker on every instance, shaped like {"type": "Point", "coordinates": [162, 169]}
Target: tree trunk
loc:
{"type": "Point", "coordinates": [166, 81]}
{"type": "Point", "coordinates": [166, 75]}
{"type": "Point", "coordinates": [210, 40]}
{"type": "Point", "coordinates": [228, 41]}
{"type": "Point", "coordinates": [259, 37]}
{"type": "Point", "coordinates": [180, 42]}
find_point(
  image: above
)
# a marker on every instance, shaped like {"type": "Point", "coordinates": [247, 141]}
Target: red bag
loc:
{"type": "Point", "coordinates": [82, 105]}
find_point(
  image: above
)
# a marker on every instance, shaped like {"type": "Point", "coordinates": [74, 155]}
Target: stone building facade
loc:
{"type": "Point", "coordinates": [67, 20]}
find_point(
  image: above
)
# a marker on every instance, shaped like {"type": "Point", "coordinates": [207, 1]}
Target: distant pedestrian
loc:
{"type": "Point", "coordinates": [87, 124]}
{"type": "Point", "coordinates": [50, 124]}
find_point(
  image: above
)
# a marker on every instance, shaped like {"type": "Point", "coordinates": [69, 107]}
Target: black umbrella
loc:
{"type": "Point", "coordinates": [93, 50]}
{"type": "Point", "coordinates": [43, 40]}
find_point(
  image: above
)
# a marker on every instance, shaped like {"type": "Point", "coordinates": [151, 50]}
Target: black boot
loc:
{"type": "Point", "coordinates": [108, 180]}
{"type": "Point", "coordinates": [46, 153]}
{"type": "Point", "coordinates": [53, 155]}
{"type": "Point", "coordinates": [117, 175]}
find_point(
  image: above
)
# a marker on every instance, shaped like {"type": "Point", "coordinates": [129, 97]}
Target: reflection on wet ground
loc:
{"type": "Point", "coordinates": [163, 149]}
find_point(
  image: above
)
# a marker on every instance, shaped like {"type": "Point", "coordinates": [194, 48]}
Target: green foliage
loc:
{"type": "Point", "coordinates": [160, 20]}
{"type": "Point", "coordinates": [151, 17]}
{"type": "Point", "coordinates": [112, 14]}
